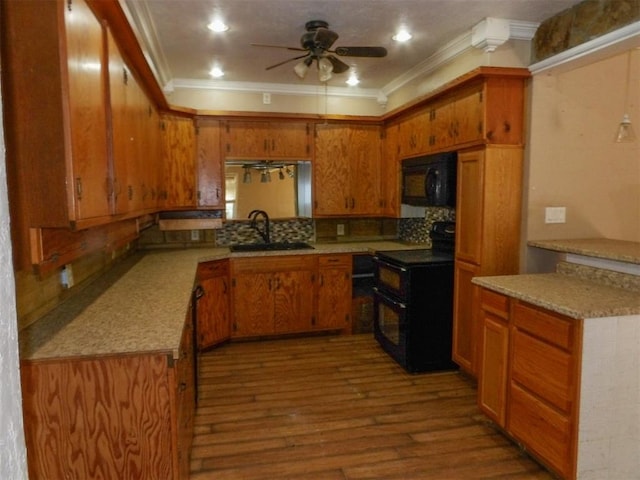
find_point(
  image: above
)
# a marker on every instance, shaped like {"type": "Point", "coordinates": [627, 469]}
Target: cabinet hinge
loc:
{"type": "Point", "coordinates": [197, 130]}
{"type": "Point", "coordinates": [233, 282]}
{"type": "Point", "coordinates": [69, 5]}
{"type": "Point", "coordinates": [227, 127]}
{"type": "Point", "coordinates": [125, 76]}
{"type": "Point", "coordinates": [228, 147]}
{"type": "Point", "coordinates": [481, 95]}
{"type": "Point", "coordinates": [307, 129]}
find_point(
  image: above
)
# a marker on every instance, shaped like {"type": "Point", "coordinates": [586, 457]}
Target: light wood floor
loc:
{"type": "Point", "coordinates": [338, 408]}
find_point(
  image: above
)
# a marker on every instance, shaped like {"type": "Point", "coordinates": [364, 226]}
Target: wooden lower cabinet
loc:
{"type": "Point", "coordinates": [119, 416]}
{"type": "Point", "coordinates": [465, 325]}
{"type": "Point", "coordinates": [494, 355]}
{"type": "Point", "coordinates": [334, 292]}
{"type": "Point", "coordinates": [278, 295]}
{"type": "Point", "coordinates": [214, 322]}
{"type": "Point", "coordinates": [529, 377]}
{"type": "Point", "coordinates": [272, 295]}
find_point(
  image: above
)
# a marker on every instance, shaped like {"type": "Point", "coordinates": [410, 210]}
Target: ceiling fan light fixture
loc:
{"type": "Point", "coordinates": [325, 68]}
{"type": "Point", "coordinates": [302, 68]}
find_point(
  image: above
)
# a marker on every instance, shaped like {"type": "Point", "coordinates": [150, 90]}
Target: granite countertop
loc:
{"type": "Point", "coordinates": [618, 250]}
{"type": "Point", "coordinates": [566, 294]}
{"type": "Point", "coordinates": [141, 305]}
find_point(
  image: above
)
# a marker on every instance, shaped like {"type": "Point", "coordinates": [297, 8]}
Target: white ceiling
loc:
{"type": "Point", "coordinates": [175, 37]}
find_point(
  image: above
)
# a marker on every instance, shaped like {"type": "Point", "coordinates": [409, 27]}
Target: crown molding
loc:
{"type": "Point", "coordinates": [137, 13]}
{"type": "Point", "coordinates": [278, 88]}
{"type": "Point", "coordinates": [608, 44]}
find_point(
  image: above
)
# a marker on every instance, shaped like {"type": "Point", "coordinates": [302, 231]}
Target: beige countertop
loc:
{"type": "Point", "coordinates": [141, 306]}
{"type": "Point", "coordinates": [566, 294]}
{"type": "Point", "coordinates": [618, 250]}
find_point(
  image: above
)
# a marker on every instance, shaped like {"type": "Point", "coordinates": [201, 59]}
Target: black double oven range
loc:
{"type": "Point", "coordinates": [413, 302]}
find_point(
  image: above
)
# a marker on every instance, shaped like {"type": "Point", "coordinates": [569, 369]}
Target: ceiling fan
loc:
{"type": "Point", "coordinates": [317, 42]}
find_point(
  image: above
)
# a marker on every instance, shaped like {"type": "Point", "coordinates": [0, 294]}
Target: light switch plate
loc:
{"type": "Point", "coordinates": [555, 214]}
{"type": "Point", "coordinates": [340, 229]}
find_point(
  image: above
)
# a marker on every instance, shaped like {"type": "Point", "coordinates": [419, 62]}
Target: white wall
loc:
{"type": "Point", "coordinates": [572, 159]}
{"type": "Point", "coordinates": [13, 462]}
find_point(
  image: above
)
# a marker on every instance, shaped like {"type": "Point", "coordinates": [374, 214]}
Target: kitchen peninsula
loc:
{"type": "Point", "coordinates": [126, 342]}
{"type": "Point", "coordinates": [560, 362]}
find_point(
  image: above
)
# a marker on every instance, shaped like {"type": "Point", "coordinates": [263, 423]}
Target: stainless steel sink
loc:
{"type": "Point", "coordinates": [270, 247]}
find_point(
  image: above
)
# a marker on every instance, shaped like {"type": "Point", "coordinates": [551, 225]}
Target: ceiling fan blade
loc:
{"type": "Point", "coordinates": [338, 65]}
{"type": "Point", "coordinates": [287, 61]}
{"type": "Point", "coordinates": [361, 51]}
{"type": "Point", "coordinates": [324, 38]}
{"type": "Point", "coordinates": [297, 49]}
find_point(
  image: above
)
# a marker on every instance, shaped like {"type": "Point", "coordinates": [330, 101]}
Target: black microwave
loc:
{"type": "Point", "coordinates": [430, 180]}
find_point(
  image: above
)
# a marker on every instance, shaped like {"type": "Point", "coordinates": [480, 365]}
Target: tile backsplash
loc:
{"type": "Point", "coordinates": [416, 230]}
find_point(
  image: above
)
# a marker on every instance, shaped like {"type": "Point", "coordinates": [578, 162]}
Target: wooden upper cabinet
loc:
{"type": "Point", "coordinates": [55, 113]}
{"type": "Point", "coordinates": [390, 175]}
{"type": "Point", "coordinates": [134, 139]}
{"type": "Point", "coordinates": [346, 173]}
{"type": "Point", "coordinates": [178, 162]}
{"type": "Point", "coordinates": [267, 140]}
{"type": "Point", "coordinates": [210, 166]}
{"type": "Point", "coordinates": [414, 133]}
{"type": "Point", "coordinates": [470, 206]}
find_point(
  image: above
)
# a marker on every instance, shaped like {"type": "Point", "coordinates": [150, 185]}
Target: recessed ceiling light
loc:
{"type": "Point", "coordinates": [402, 36]}
{"type": "Point", "coordinates": [353, 81]}
{"type": "Point", "coordinates": [218, 26]}
{"type": "Point", "coordinates": [216, 72]}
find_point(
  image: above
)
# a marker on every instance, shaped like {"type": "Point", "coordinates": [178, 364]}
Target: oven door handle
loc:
{"type": "Point", "coordinates": [377, 260]}
{"type": "Point", "coordinates": [389, 299]}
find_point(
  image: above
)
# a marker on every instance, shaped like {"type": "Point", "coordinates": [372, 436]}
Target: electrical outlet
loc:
{"type": "Point", "coordinates": [340, 229]}
{"type": "Point", "coordinates": [555, 215]}
{"type": "Point", "coordinates": [66, 276]}
{"type": "Point", "coordinates": [266, 98]}
{"type": "Point", "coordinates": [195, 235]}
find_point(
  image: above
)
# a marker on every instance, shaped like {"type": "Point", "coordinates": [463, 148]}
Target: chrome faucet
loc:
{"type": "Point", "coordinates": [264, 233]}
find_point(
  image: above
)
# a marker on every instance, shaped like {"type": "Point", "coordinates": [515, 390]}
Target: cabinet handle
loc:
{"type": "Point", "coordinates": [321, 279]}
{"type": "Point", "coordinates": [224, 286]}
{"type": "Point", "coordinates": [217, 192]}
{"type": "Point", "coordinates": [346, 203]}
{"type": "Point", "coordinates": [183, 386]}
{"type": "Point", "coordinates": [353, 202]}
{"type": "Point", "coordinates": [130, 192]}
{"type": "Point", "coordinates": [79, 188]}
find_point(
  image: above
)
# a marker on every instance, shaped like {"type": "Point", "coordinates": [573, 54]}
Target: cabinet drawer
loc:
{"type": "Point", "coordinates": [217, 268]}
{"type": "Point", "coordinates": [544, 431]}
{"type": "Point", "coordinates": [334, 260]}
{"type": "Point", "coordinates": [543, 369]}
{"type": "Point", "coordinates": [550, 327]}
{"type": "Point", "coordinates": [273, 263]}
{"type": "Point", "coordinates": [495, 303]}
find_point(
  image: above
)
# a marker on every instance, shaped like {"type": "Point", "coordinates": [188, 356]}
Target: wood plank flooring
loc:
{"type": "Point", "coordinates": [338, 408]}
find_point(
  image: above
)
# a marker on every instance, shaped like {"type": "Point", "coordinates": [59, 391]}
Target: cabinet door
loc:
{"type": "Point", "coordinates": [289, 140]}
{"type": "Point", "coordinates": [469, 112]}
{"type": "Point", "coordinates": [246, 139]}
{"type": "Point", "coordinates": [334, 292]}
{"type": "Point", "coordinates": [210, 165]}
{"type": "Point", "coordinates": [185, 402]}
{"type": "Point", "coordinates": [178, 158]}
{"type": "Point", "coordinates": [364, 156]}
{"type": "Point", "coordinates": [253, 305]}
{"type": "Point", "coordinates": [390, 174]}
{"type": "Point", "coordinates": [492, 376]}
{"type": "Point", "coordinates": [465, 326]}
{"type": "Point", "coordinates": [214, 325]}
{"type": "Point", "coordinates": [331, 174]}
{"type": "Point", "coordinates": [441, 120]}
{"type": "Point", "coordinates": [293, 301]}
{"type": "Point", "coordinates": [87, 110]}
{"type": "Point", "coordinates": [469, 206]}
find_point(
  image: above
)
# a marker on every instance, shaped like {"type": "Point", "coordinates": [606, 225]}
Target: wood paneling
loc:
{"type": "Point", "coordinates": [99, 418]}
